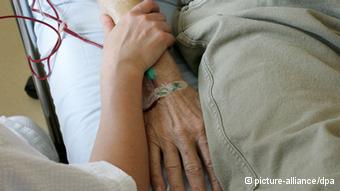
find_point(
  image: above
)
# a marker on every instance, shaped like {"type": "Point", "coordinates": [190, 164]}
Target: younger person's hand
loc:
{"type": "Point", "coordinates": [139, 39]}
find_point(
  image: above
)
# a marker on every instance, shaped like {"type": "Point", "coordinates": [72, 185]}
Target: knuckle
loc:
{"type": "Point", "coordinates": [185, 143]}
{"type": "Point", "coordinates": [172, 167]}
{"type": "Point", "coordinates": [160, 16]}
{"type": "Point", "coordinates": [161, 36]}
{"type": "Point", "coordinates": [202, 139]}
{"type": "Point", "coordinates": [149, 4]}
{"type": "Point", "coordinates": [154, 25]}
{"type": "Point", "coordinates": [144, 33]}
{"type": "Point", "coordinates": [201, 131]}
{"type": "Point", "coordinates": [130, 15]}
{"type": "Point", "coordinates": [209, 165]}
{"type": "Point", "coordinates": [143, 17]}
{"type": "Point", "coordinates": [152, 4]}
{"type": "Point", "coordinates": [179, 130]}
{"type": "Point", "coordinates": [184, 137]}
{"type": "Point", "coordinates": [192, 169]}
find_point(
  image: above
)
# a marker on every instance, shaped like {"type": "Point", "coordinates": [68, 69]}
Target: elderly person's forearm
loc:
{"type": "Point", "coordinates": [176, 115]}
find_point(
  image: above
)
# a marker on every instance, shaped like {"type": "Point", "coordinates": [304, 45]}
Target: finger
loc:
{"type": "Point", "coordinates": [193, 167]}
{"type": "Point", "coordinates": [155, 17]}
{"type": "Point", "coordinates": [205, 154]}
{"type": "Point", "coordinates": [145, 7]}
{"type": "Point", "coordinates": [157, 180]}
{"type": "Point", "coordinates": [107, 23]}
{"type": "Point", "coordinates": [173, 167]}
{"type": "Point", "coordinates": [162, 26]}
{"type": "Point", "coordinates": [163, 41]}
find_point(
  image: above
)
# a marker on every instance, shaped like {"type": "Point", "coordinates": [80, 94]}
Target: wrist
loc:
{"type": "Point", "coordinates": [120, 82]}
{"type": "Point", "coordinates": [120, 77]}
{"type": "Point", "coordinates": [165, 77]}
{"type": "Point", "coordinates": [166, 71]}
{"type": "Point", "coordinates": [126, 70]}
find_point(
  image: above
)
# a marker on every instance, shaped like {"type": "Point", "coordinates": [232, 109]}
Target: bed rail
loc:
{"type": "Point", "coordinates": [21, 7]}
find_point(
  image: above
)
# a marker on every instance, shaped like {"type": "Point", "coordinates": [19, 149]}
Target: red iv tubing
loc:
{"type": "Point", "coordinates": [62, 27]}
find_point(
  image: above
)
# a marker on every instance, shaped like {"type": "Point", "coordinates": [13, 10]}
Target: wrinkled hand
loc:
{"type": "Point", "coordinates": [175, 130]}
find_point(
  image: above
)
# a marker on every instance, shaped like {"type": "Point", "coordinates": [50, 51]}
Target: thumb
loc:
{"type": "Point", "coordinates": [108, 24]}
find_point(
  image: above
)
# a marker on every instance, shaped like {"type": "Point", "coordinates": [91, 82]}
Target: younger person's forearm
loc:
{"type": "Point", "coordinates": [121, 138]}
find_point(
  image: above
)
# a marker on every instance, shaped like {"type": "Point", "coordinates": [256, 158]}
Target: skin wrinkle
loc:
{"type": "Point", "coordinates": [121, 91]}
{"type": "Point", "coordinates": [187, 145]}
{"type": "Point", "coordinates": [166, 118]}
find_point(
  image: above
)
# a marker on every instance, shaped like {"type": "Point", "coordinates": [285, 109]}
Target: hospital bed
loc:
{"type": "Point", "coordinates": [62, 109]}
{"type": "Point", "coordinates": [321, 129]}
{"type": "Point", "coordinates": [26, 29]}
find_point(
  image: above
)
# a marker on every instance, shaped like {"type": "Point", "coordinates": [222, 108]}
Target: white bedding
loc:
{"type": "Point", "coordinates": [75, 78]}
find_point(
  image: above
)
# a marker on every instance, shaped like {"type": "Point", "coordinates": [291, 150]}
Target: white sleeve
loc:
{"type": "Point", "coordinates": [24, 168]}
{"type": "Point", "coordinates": [112, 176]}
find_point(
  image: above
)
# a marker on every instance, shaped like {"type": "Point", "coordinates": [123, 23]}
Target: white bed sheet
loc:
{"type": "Point", "coordinates": [76, 67]}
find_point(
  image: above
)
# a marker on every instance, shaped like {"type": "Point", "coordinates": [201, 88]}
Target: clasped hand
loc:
{"type": "Point", "coordinates": [174, 126]}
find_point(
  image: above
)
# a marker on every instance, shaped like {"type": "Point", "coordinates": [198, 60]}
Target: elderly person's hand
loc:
{"type": "Point", "coordinates": [174, 126]}
{"type": "Point", "coordinates": [175, 130]}
{"type": "Point", "coordinates": [130, 48]}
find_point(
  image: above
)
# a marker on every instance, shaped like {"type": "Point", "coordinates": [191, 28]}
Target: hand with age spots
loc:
{"type": "Point", "coordinates": [175, 131]}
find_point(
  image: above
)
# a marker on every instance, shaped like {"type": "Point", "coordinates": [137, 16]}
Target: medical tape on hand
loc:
{"type": "Point", "coordinates": [167, 89]}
